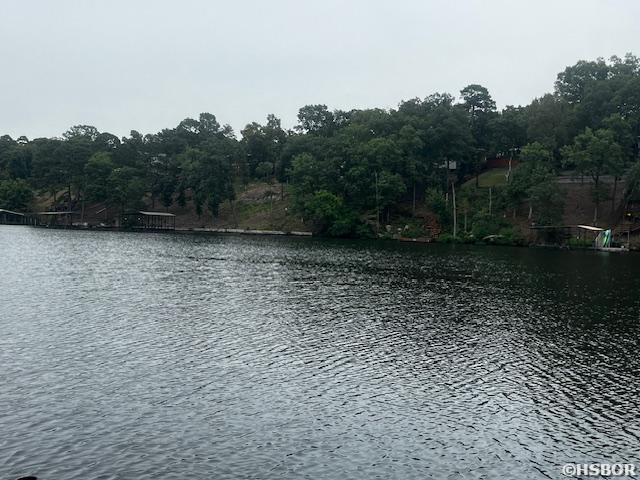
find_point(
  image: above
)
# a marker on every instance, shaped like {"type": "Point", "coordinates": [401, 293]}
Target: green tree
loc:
{"type": "Point", "coordinates": [15, 194]}
{"type": "Point", "coordinates": [595, 154]}
{"type": "Point", "coordinates": [547, 202]}
{"type": "Point", "coordinates": [435, 200]}
{"type": "Point", "coordinates": [536, 153]}
{"type": "Point", "coordinates": [573, 80]}
{"type": "Point", "coordinates": [508, 130]}
{"type": "Point", "coordinates": [632, 188]}
{"type": "Point", "coordinates": [316, 120]}
{"type": "Point", "coordinates": [533, 182]}
{"type": "Point", "coordinates": [97, 172]}
{"type": "Point", "coordinates": [549, 122]}
{"type": "Point", "coordinates": [390, 188]}
{"type": "Point", "coordinates": [264, 144]}
{"type": "Point", "coordinates": [477, 99]}
{"type": "Point", "coordinates": [208, 174]}
{"type": "Point", "coordinates": [481, 109]}
{"type": "Point", "coordinates": [264, 170]}
{"type": "Point", "coordinates": [126, 188]}
{"type": "Point", "coordinates": [308, 175]}
{"type": "Point", "coordinates": [48, 174]}
{"type": "Point", "coordinates": [328, 215]}
{"type": "Point", "coordinates": [17, 160]}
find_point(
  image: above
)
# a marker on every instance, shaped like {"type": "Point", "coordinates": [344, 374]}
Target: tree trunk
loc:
{"type": "Point", "coordinates": [530, 211]}
{"type": "Point", "coordinates": [414, 199]}
{"type": "Point", "coordinates": [232, 203]}
{"type": "Point", "coordinates": [455, 212]}
{"type": "Point", "coordinates": [597, 201]}
{"type": "Point", "coordinates": [490, 200]}
{"type": "Point", "coordinates": [377, 206]}
{"type": "Point", "coordinates": [613, 197]}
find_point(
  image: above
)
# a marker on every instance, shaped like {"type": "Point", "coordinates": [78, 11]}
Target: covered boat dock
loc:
{"type": "Point", "coordinates": [7, 217]}
{"type": "Point", "coordinates": [149, 220]}
{"type": "Point", "coordinates": [579, 235]}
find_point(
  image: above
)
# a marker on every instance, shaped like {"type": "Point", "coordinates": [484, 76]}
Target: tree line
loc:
{"type": "Point", "coordinates": [350, 171]}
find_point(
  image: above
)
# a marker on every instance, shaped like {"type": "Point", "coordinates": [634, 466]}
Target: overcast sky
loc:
{"type": "Point", "coordinates": [147, 64]}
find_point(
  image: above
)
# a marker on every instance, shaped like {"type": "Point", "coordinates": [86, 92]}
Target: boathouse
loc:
{"type": "Point", "coordinates": [7, 217]}
{"type": "Point", "coordinates": [149, 220]}
{"type": "Point", "coordinates": [562, 234]}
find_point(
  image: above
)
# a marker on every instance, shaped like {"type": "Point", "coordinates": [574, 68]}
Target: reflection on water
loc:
{"type": "Point", "coordinates": [163, 356]}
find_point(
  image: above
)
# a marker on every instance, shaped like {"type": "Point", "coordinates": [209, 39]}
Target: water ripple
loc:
{"type": "Point", "coordinates": [167, 356]}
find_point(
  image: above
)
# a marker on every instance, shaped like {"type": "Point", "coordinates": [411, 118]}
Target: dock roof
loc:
{"type": "Point", "coordinates": [589, 227]}
{"type": "Point", "coordinates": [2, 210]}
{"type": "Point", "coordinates": [57, 213]}
{"type": "Point", "coordinates": [566, 227]}
{"type": "Point", "coordinates": [157, 214]}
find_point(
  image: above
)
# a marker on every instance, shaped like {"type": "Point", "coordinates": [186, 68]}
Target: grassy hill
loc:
{"type": "Point", "coordinates": [490, 178]}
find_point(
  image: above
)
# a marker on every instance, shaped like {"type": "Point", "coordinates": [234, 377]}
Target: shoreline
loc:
{"type": "Point", "coordinates": [306, 234]}
{"type": "Point", "coordinates": [181, 230]}
{"type": "Point", "coordinates": [244, 231]}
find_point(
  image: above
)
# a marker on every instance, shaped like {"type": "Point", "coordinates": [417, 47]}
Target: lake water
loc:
{"type": "Point", "coordinates": [167, 356]}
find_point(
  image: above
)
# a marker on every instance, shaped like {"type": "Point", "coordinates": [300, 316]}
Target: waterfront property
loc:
{"type": "Point", "coordinates": [149, 220]}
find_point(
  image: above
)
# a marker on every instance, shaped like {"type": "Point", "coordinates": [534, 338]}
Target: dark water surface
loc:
{"type": "Point", "coordinates": [132, 356]}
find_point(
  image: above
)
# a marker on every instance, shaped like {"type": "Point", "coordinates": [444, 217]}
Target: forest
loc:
{"type": "Point", "coordinates": [349, 173]}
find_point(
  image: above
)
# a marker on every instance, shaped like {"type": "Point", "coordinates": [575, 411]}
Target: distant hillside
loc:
{"type": "Point", "coordinates": [258, 206]}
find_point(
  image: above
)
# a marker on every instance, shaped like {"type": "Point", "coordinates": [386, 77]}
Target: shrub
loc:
{"type": "Point", "coordinates": [436, 202]}
{"type": "Point", "coordinates": [329, 216]}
